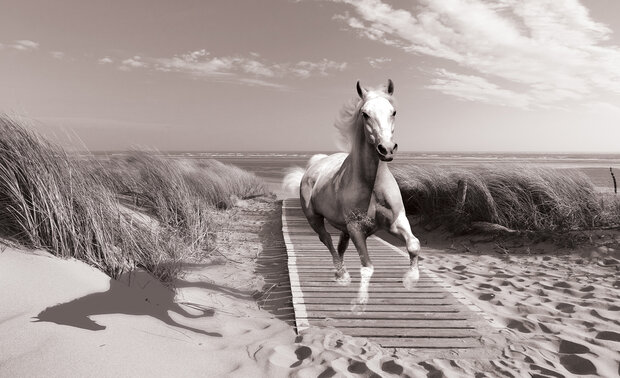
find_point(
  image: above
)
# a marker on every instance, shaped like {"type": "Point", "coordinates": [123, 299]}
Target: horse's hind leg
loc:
{"type": "Point", "coordinates": [401, 227]}
{"type": "Point", "coordinates": [317, 223]}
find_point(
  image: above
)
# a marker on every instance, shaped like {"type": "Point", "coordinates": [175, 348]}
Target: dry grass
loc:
{"type": "Point", "coordinates": [521, 198]}
{"type": "Point", "coordinates": [70, 206]}
{"type": "Point", "coordinates": [182, 194]}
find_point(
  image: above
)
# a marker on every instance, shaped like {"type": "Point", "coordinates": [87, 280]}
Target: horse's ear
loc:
{"type": "Point", "coordinates": [360, 91]}
{"type": "Point", "coordinates": [390, 87]}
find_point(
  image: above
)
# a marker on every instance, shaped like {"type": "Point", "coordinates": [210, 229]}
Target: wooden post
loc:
{"type": "Point", "coordinates": [613, 178]}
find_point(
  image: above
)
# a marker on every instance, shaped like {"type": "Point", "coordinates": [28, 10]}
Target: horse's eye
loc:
{"type": "Point", "coordinates": [394, 114]}
{"type": "Point", "coordinates": [365, 115]}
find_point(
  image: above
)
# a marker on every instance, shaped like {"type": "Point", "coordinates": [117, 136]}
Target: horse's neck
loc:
{"type": "Point", "coordinates": [364, 159]}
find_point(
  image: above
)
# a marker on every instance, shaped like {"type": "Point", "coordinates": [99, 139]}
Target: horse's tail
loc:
{"type": "Point", "coordinates": [314, 159]}
{"type": "Point", "coordinates": [292, 179]}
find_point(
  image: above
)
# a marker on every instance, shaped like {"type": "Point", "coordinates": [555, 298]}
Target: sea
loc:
{"type": "Point", "coordinates": [271, 166]}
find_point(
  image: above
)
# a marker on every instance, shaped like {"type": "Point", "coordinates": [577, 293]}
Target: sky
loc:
{"type": "Point", "coordinates": [271, 75]}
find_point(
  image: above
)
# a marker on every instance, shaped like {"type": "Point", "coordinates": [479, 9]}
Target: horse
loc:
{"type": "Point", "coordinates": [355, 191]}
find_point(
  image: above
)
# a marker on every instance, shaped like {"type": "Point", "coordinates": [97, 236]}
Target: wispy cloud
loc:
{"type": "Point", "coordinates": [476, 88]}
{"type": "Point", "coordinates": [542, 52]}
{"type": "Point", "coordinates": [21, 45]}
{"type": "Point", "coordinates": [105, 60]}
{"type": "Point", "coordinates": [378, 62]}
{"type": "Point", "coordinates": [57, 55]}
{"type": "Point", "coordinates": [133, 62]}
{"type": "Point", "coordinates": [251, 69]}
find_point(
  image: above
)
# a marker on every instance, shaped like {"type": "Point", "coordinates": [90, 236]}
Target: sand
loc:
{"type": "Point", "coordinates": [231, 315]}
{"type": "Point", "coordinates": [560, 307]}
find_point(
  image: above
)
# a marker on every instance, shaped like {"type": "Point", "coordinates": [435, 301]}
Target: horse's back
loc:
{"type": "Point", "coordinates": [317, 185]}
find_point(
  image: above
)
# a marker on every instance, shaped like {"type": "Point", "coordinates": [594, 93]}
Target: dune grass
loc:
{"type": "Point", "coordinates": [76, 206]}
{"type": "Point", "coordinates": [182, 194]}
{"type": "Point", "coordinates": [523, 198]}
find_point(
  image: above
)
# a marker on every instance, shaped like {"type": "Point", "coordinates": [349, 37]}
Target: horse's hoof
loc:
{"type": "Point", "coordinates": [411, 279]}
{"type": "Point", "coordinates": [344, 279]}
{"type": "Point", "coordinates": [358, 305]}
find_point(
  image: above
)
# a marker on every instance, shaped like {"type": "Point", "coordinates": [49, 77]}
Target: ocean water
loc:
{"type": "Point", "coordinates": [272, 165]}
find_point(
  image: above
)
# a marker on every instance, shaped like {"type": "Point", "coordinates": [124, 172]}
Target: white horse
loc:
{"type": "Point", "coordinates": [355, 191]}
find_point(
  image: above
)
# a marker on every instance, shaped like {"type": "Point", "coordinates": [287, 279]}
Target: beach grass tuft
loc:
{"type": "Point", "coordinates": [524, 198]}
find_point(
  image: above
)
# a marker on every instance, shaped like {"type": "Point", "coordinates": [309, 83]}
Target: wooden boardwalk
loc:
{"type": "Point", "coordinates": [433, 316]}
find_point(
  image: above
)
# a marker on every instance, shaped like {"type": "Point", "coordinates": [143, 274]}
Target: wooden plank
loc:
{"type": "Point", "coordinates": [388, 315]}
{"type": "Point", "coordinates": [382, 301]}
{"type": "Point", "coordinates": [374, 284]}
{"type": "Point", "coordinates": [392, 308]}
{"type": "Point", "coordinates": [396, 323]}
{"type": "Point", "coordinates": [386, 296]}
{"type": "Point", "coordinates": [328, 275]}
{"type": "Point", "coordinates": [372, 289]}
{"type": "Point", "coordinates": [430, 343]}
{"type": "Point", "coordinates": [325, 275]}
{"type": "Point", "coordinates": [453, 333]}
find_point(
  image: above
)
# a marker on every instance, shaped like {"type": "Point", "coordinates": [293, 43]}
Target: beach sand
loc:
{"type": "Point", "coordinates": [560, 307]}
{"type": "Point", "coordinates": [231, 314]}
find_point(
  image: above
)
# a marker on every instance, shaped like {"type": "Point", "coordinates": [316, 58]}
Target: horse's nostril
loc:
{"type": "Point", "coordinates": [381, 149]}
{"type": "Point", "coordinates": [395, 147]}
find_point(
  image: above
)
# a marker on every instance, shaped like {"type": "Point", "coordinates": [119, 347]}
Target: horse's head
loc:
{"type": "Point", "coordinates": [378, 113]}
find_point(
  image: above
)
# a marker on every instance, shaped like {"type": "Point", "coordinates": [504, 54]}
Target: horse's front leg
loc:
{"type": "Point", "coordinates": [358, 236]}
{"type": "Point", "coordinates": [401, 226]}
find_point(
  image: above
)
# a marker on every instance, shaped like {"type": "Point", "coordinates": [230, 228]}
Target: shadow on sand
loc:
{"type": "Point", "coordinates": [120, 299]}
{"type": "Point", "coordinates": [272, 264]}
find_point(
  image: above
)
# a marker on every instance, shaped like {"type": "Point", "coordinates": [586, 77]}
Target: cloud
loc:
{"type": "Point", "coordinates": [105, 60]}
{"type": "Point", "coordinates": [251, 69]}
{"type": "Point", "coordinates": [57, 54]}
{"type": "Point", "coordinates": [22, 45]}
{"type": "Point", "coordinates": [306, 69]}
{"type": "Point", "coordinates": [131, 63]}
{"type": "Point", "coordinates": [476, 88]}
{"type": "Point", "coordinates": [549, 52]}
{"type": "Point", "coordinates": [378, 62]}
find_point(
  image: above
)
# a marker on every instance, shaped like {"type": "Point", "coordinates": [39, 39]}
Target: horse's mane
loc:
{"type": "Point", "coordinates": [348, 118]}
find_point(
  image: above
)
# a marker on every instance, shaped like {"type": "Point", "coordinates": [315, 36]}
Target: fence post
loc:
{"type": "Point", "coordinates": [613, 178]}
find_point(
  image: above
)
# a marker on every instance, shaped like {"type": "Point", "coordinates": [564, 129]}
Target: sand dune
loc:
{"type": "Point", "coordinates": [63, 318]}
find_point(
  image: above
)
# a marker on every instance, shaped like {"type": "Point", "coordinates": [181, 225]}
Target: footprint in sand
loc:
{"type": "Point", "coordinates": [488, 286]}
{"type": "Point", "coordinates": [587, 288]}
{"type": "Point", "coordinates": [357, 367]}
{"type": "Point", "coordinates": [302, 353]}
{"type": "Point", "coordinates": [544, 328]}
{"type": "Point", "coordinates": [562, 284]}
{"type": "Point", "coordinates": [486, 297]}
{"type": "Point", "coordinates": [565, 307]}
{"type": "Point", "coordinates": [608, 335]}
{"type": "Point", "coordinates": [392, 367]}
{"type": "Point", "coordinates": [570, 347]}
{"type": "Point", "coordinates": [521, 326]}
{"type": "Point", "coordinates": [327, 373]}
{"type": "Point", "coordinates": [543, 370]}
{"type": "Point", "coordinates": [577, 364]}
